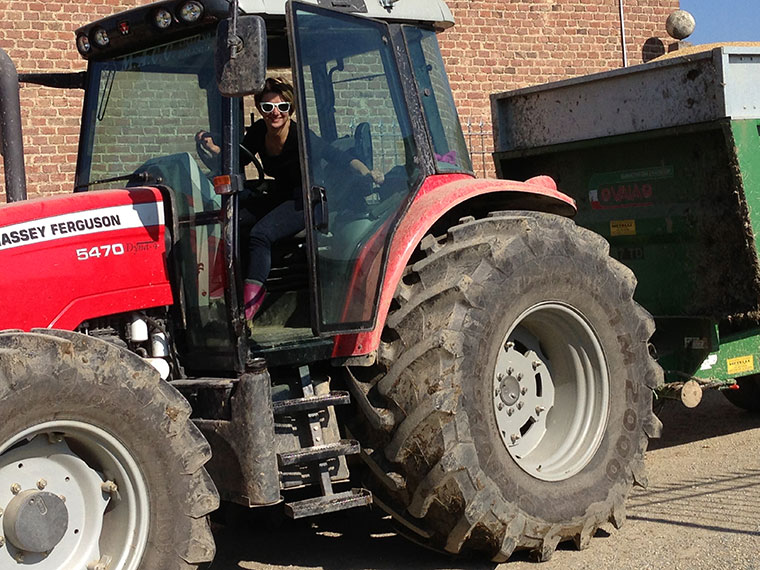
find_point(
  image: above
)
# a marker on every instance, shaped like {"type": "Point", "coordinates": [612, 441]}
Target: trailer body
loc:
{"type": "Point", "coordinates": [662, 160]}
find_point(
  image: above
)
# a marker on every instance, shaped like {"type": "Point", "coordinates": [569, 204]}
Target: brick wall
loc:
{"type": "Point", "coordinates": [502, 45]}
{"type": "Point", "coordinates": [496, 45]}
{"type": "Point", "coordinates": [39, 36]}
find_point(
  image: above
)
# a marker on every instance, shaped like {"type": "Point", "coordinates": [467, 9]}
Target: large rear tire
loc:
{"type": "Point", "coordinates": [106, 454]}
{"type": "Point", "coordinates": [517, 371]}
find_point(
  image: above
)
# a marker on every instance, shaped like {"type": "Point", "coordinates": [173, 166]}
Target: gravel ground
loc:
{"type": "Point", "coordinates": [701, 511]}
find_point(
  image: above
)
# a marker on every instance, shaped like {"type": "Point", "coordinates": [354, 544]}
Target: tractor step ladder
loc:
{"type": "Point", "coordinates": [319, 452]}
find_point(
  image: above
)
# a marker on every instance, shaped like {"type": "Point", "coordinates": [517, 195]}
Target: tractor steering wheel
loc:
{"type": "Point", "coordinates": [254, 159]}
{"type": "Point", "coordinates": [211, 159]}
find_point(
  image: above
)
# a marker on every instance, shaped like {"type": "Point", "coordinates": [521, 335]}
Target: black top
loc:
{"type": "Point", "coordinates": [285, 167]}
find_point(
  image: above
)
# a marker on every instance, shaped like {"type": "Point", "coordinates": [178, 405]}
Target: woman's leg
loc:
{"type": "Point", "coordinates": [280, 223]}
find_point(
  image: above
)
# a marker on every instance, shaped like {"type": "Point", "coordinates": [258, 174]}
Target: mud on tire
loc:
{"type": "Point", "coordinates": [470, 461]}
{"type": "Point", "coordinates": [85, 420]}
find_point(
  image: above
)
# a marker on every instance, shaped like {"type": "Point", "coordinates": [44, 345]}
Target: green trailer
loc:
{"type": "Point", "coordinates": [663, 160]}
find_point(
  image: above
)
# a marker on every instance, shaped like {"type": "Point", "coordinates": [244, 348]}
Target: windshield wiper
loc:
{"type": "Point", "coordinates": [109, 74]}
{"type": "Point", "coordinates": [143, 176]}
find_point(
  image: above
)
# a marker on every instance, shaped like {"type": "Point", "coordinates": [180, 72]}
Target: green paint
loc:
{"type": "Point", "coordinates": [688, 191]}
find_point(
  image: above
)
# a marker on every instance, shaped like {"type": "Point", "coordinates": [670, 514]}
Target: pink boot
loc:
{"type": "Point", "coordinates": [253, 295]}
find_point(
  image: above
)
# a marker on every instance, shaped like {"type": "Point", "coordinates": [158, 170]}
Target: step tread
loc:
{"type": "Point", "coordinates": [329, 503]}
{"type": "Point", "coordinates": [309, 403]}
{"type": "Point", "coordinates": [319, 452]}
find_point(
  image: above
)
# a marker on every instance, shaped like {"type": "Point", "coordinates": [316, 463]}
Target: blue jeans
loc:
{"type": "Point", "coordinates": [280, 223]}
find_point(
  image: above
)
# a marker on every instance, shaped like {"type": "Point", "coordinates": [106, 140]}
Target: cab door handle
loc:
{"type": "Point", "coordinates": [319, 215]}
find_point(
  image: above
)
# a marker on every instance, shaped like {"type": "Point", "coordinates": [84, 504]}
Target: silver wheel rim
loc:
{"type": "Point", "coordinates": [551, 392]}
{"type": "Point", "coordinates": [99, 482]}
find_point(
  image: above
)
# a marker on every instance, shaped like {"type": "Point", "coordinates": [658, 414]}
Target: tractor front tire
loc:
{"type": "Point", "coordinates": [517, 370]}
{"type": "Point", "coordinates": [100, 465]}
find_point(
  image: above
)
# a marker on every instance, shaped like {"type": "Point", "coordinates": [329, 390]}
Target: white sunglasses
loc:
{"type": "Point", "coordinates": [268, 107]}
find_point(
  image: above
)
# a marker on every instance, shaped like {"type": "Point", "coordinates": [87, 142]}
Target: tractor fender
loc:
{"type": "Point", "coordinates": [439, 195]}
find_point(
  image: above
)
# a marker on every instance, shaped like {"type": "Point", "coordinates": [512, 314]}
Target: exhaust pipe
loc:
{"type": "Point", "coordinates": [10, 130]}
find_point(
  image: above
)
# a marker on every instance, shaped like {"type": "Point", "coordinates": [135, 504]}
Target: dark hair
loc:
{"type": "Point", "coordinates": [279, 86]}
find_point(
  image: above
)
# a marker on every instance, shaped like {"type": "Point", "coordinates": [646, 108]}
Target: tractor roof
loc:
{"type": "Point", "coordinates": [434, 12]}
{"type": "Point", "coordinates": [161, 22]}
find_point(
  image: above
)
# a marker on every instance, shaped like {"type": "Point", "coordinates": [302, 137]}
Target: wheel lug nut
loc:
{"type": "Point", "coordinates": [524, 390]}
{"type": "Point", "coordinates": [41, 484]}
{"type": "Point", "coordinates": [519, 377]}
{"type": "Point", "coordinates": [2, 541]}
{"type": "Point", "coordinates": [54, 438]}
{"type": "Point", "coordinates": [510, 370]}
{"type": "Point", "coordinates": [15, 488]}
{"type": "Point", "coordinates": [520, 405]}
{"type": "Point", "coordinates": [500, 406]}
{"type": "Point", "coordinates": [510, 411]}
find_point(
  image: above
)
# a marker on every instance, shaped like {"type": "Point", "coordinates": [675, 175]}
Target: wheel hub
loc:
{"type": "Point", "coordinates": [509, 390]}
{"type": "Point", "coordinates": [524, 395]}
{"type": "Point", "coordinates": [52, 505]}
{"type": "Point", "coordinates": [551, 392]}
{"type": "Point", "coordinates": [35, 521]}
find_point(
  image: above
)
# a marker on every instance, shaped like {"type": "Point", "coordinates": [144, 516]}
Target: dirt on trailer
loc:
{"type": "Point", "coordinates": [701, 511]}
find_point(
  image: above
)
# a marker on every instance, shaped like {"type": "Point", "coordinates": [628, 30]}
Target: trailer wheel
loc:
{"type": "Point", "coordinates": [100, 466]}
{"type": "Point", "coordinates": [520, 381]}
{"type": "Point", "coordinates": [747, 397]}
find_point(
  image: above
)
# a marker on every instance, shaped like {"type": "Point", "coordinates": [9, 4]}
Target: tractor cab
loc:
{"type": "Point", "coordinates": [375, 90]}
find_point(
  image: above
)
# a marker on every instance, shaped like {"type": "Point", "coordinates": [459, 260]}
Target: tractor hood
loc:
{"type": "Point", "coordinates": [67, 259]}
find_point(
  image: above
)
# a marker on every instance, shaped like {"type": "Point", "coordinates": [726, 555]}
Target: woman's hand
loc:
{"type": "Point", "coordinates": [206, 141]}
{"type": "Point", "coordinates": [377, 176]}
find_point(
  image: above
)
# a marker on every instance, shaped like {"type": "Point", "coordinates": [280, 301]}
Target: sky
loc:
{"type": "Point", "coordinates": [724, 20]}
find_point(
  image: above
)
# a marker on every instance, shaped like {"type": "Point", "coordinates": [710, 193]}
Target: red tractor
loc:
{"type": "Point", "coordinates": [477, 356]}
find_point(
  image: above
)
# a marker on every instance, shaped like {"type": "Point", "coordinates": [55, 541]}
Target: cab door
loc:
{"type": "Point", "coordinates": [351, 107]}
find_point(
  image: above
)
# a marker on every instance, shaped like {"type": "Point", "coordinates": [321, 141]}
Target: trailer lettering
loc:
{"type": "Point", "coordinates": [622, 228]}
{"type": "Point", "coordinates": [630, 194]}
{"type": "Point", "coordinates": [740, 364]}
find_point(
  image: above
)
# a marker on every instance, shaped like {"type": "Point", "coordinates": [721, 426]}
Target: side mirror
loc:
{"type": "Point", "coordinates": [241, 58]}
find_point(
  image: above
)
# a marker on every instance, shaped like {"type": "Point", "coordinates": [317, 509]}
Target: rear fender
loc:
{"type": "Point", "coordinates": [441, 195]}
